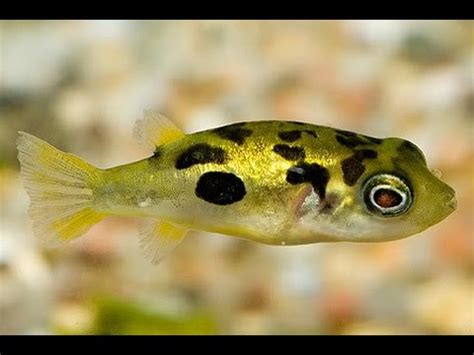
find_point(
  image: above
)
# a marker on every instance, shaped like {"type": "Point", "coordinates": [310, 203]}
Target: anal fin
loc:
{"type": "Point", "coordinates": [158, 238]}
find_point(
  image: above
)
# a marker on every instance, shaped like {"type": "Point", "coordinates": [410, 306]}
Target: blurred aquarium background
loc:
{"type": "Point", "coordinates": [81, 85]}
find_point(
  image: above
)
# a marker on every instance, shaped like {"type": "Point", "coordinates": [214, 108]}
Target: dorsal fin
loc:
{"type": "Point", "coordinates": [158, 238]}
{"type": "Point", "coordinates": [154, 130]}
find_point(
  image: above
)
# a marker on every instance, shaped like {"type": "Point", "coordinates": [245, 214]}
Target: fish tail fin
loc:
{"type": "Point", "coordinates": [60, 186]}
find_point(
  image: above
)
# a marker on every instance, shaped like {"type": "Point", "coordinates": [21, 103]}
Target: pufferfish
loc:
{"type": "Point", "coordinates": [273, 182]}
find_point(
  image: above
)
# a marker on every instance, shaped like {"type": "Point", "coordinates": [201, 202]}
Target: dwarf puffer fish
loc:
{"type": "Point", "coordinates": [274, 182]}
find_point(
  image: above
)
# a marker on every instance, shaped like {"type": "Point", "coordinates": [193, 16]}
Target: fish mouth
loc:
{"type": "Point", "coordinates": [452, 203]}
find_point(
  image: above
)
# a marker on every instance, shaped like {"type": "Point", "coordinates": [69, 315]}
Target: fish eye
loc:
{"type": "Point", "coordinates": [387, 195]}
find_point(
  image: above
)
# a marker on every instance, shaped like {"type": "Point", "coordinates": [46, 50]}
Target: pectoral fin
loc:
{"type": "Point", "coordinates": [158, 238]}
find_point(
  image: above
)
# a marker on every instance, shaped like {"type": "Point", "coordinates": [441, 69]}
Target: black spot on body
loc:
{"type": "Point", "coordinates": [294, 135]}
{"type": "Point", "coordinates": [234, 132]}
{"type": "Point", "coordinates": [311, 133]}
{"type": "Point", "coordinates": [220, 188]}
{"type": "Point", "coordinates": [366, 154]}
{"type": "Point", "coordinates": [374, 140]}
{"type": "Point", "coordinates": [297, 123]}
{"type": "Point", "coordinates": [353, 167]}
{"type": "Point", "coordinates": [289, 153]}
{"type": "Point", "coordinates": [314, 173]}
{"type": "Point", "coordinates": [345, 133]}
{"type": "Point", "coordinates": [290, 136]}
{"type": "Point", "coordinates": [352, 140]}
{"type": "Point", "coordinates": [200, 153]}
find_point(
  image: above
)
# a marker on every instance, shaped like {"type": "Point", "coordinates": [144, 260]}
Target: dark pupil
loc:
{"type": "Point", "coordinates": [387, 198]}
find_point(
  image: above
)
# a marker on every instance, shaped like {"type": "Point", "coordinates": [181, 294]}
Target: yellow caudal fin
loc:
{"type": "Point", "coordinates": [60, 187]}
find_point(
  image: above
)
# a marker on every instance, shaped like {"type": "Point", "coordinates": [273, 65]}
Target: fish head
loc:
{"type": "Point", "coordinates": [395, 196]}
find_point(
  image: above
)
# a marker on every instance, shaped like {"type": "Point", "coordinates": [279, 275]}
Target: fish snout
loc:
{"type": "Point", "coordinates": [452, 202]}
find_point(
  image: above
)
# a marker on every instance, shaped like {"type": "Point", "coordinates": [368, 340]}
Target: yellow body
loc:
{"type": "Point", "coordinates": [157, 189]}
{"type": "Point", "coordinates": [290, 183]}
